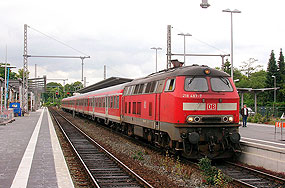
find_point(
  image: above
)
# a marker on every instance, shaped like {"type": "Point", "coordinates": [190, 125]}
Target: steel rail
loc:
{"type": "Point", "coordinates": [116, 160]}
{"type": "Point", "coordinates": [94, 181]}
{"type": "Point", "coordinates": [282, 180]}
{"type": "Point", "coordinates": [254, 177]}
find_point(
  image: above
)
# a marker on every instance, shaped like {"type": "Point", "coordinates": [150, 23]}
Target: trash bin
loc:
{"type": "Point", "coordinates": [16, 108]}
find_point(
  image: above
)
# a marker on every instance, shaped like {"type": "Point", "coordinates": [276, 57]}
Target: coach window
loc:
{"type": "Point", "coordinates": [147, 89]}
{"type": "Point", "coordinates": [195, 84]}
{"type": "Point", "coordinates": [114, 102]}
{"type": "Point", "coordinates": [141, 88]}
{"type": "Point", "coordinates": [110, 102]}
{"type": "Point", "coordinates": [150, 109]}
{"type": "Point", "coordinates": [152, 88]}
{"type": "Point", "coordinates": [139, 106]}
{"type": "Point", "coordinates": [136, 89]}
{"type": "Point", "coordinates": [134, 107]}
{"type": "Point", "coordinates": [132, 90]}
{"type": "Point", "coordinates": [126, 90]}
{"type": "Point", "coordinates": [170, 85]}
{"type": "Point", "coordinates": [126, 107]}
{"type": "Point", "coordinates": [118, 101]}
{"type": "Point", "coordinates": [129, 107]}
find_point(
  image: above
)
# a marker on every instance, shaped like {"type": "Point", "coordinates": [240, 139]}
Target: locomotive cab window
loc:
{"type": "Point", "coordinates": [170, 85]}
{"type": "Point", "coordinates": [196, 84]}
{"type": "Point", "coordinates": [221, 84]}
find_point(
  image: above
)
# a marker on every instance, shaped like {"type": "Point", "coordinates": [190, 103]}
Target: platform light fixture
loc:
{"type": "Point", "coordinates": [204, 4]}
{"type": "Point", "coordinates": [232, 58]}
{"type": "Point", "coordinates": [184, 35]}
{"type": "Point", "coordinates": [154, 48]}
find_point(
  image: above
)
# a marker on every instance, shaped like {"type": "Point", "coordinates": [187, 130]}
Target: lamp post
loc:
{"type": "Point", "coordinates": [232, 50]}
{"type": "Point", "coordinates": [184, 35]}
{"type": "Point", "coordinates": [158, 48]}
{"type": "Point", "coordinates": [274, 91]}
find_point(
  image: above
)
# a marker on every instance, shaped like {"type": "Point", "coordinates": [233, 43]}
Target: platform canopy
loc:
{"type": "Point", "coordinates": [104, 83]}
{"type": "Point", "coordinates": [255, 91]}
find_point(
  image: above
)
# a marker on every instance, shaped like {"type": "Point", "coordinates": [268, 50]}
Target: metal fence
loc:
{"type": "Point", "coordinates": [270, 111]}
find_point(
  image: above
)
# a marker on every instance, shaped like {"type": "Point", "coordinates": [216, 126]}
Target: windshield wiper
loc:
{"type": "Point", "coordinates": [225, 81]}
{"type": "Point", "coordinates": [190, 81]}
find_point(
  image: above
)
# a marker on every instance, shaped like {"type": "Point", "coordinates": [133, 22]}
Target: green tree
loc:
{"type": "Point", "coordinates": [77, 85]}
{"type": "Point", "coordinates": [280, 78]}
{"type": "Point", "coordinates": [20, 73]}
{"type": "Point", "coordinates": [227, 67]}
{"type": "Point", "coordinates": [271, 71]}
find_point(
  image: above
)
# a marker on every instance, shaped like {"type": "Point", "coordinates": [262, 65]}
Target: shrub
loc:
{"type": "Point", "coordinates": [212, 175]}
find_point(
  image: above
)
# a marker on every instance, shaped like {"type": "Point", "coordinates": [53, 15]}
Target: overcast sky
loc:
{"type": "Point", "coordinates": [120, 33]}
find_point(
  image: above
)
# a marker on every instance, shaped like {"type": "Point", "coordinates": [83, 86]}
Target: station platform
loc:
{"type": "Point", "coordinates": [31, 155]}
{"type": "Point", "coordinates": [262, 146]}
{"type": "Point", "coordinates": [263, 134]}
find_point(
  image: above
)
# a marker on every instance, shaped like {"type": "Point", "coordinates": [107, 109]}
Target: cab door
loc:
{"type": "Point", "coordinates": [158, 91]}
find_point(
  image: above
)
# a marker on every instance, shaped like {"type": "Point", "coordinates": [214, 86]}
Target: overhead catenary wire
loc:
{"type": "Point", "coordinates": [179, 31]}
{"type": "Point", "coordinates": [53, 38]}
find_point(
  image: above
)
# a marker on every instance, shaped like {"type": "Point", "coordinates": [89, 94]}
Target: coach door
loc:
{"type": "Point", "coordinates": [106, 105]}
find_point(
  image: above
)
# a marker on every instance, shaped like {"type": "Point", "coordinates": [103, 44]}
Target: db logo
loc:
{"type": "Point", "coordinates": [211, 106]}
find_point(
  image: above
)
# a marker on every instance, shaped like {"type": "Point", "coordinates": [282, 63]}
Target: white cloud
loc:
{"type": "Point", "coordinates": [119, 34]}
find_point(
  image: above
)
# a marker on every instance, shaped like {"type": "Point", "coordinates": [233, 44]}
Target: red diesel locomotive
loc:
{"type": "Point", "coordinates": [193, 110]}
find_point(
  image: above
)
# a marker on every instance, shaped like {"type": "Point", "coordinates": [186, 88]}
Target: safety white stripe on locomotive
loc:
{"type": "Point", "coordinates": [202, 106]}
{"type": "Point", "coordinates": [227, 106]}
{"type": "Point", "coordinates": [194, 106]}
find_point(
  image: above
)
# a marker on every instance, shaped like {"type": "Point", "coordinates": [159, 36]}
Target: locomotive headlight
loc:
{"type": "Point", "coordinates": [207, 71]}
{"type": "Point", "coordinates": [190, 119]}
{"type": "Point", "coordinates": [231, 119]}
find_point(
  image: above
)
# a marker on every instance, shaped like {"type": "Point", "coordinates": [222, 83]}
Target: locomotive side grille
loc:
{"type": "Point", "coordinates": [211, 119]}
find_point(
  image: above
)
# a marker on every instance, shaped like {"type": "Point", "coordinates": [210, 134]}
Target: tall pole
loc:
{"type": "Point", "coordinates": [25, 72]}
{"type": "Point", "coordinates": [184, 49]}
{"type": "Point", "coordinates": [168, 63]}
{"type": "Point", "coordinates": [5, 87]}
{"type": "Point", "coordinates": [153, 48]}
{"type": "Point", "coordinates": [184, 35]}
{"type": "Point", "coordinates": [274, 77]}
{"type": "Point", "coordinates": [82, 69]}
{"type": "Point", "coordinates": [232, 48]}
{"type": "Point", "coordinates": [274, 93]}
{"type": "Point", "coordinates": [35, 70]}
{"type": "Point", "coordinates": [232, 43]}
{"type": "Point", "coordinates": [104, 72]}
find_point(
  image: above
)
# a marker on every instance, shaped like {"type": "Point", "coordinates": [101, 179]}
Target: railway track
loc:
{"type": "Point", "coordinates": [249, 177]}
{"type": "Point", "coordinates": [242, 176]}
{"type": "Point", "coordinates": [104, 169]}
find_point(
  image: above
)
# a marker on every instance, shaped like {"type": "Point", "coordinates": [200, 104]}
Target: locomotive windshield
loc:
{"type": "Point", "coordinates": [221, 84]}
{"type": "Point", "coordinates": [195, 84]}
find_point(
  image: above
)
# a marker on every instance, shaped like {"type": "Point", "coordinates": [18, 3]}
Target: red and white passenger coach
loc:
{"type": "Point", "coordinates": [193, 110]}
